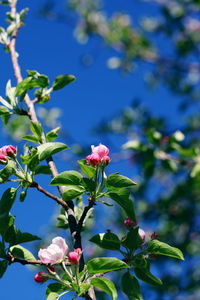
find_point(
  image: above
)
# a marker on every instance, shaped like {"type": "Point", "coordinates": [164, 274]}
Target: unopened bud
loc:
{"type": "Point", "coordinates": [40, 277]}
{"type": "Point", "coordinates": [3, 159]}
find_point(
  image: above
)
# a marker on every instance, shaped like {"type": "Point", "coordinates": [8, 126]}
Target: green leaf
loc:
{"type": "Point", "coordinates": [131, 287]}
{"type": "Point", "coordinates": [42, 170]}
{"type": "Point", "coordinates": [3, 267]}
{"type": "Point", "coordinates": [62, 80]}
{"type": "Point", "coordinates": [36, 129]}
{"type": "Point", "coordinates": [87, 170]}
{"type": "Point", "coordinates": [132, 239]}
{"type": "Point", "coordinates": [118, 181]}
{"type": "Point", "coordinates": [105, 264]}
{"type": "Point", "coordinates": [33, 80]}
{"type": "Point", "coordinates": [7, 200]}
{"type": "Point", "coordinates": [21, 252]}
{"type": "Point", "coordinates": [56, 288]}
{"type": "Point", "coordinates": [145, 275]}
{"type": "Point", "coordinates": [48, 149]}
{"type": "Point", "coordinates": [106, 285]}
{"type": "Point", "coordinates": [14, 236]}
{"type": "Point", "coordinates": [4, 111]}
{"type": "Point", "coordinates": [107, 240]}
{"type": "Point", "coordinates": [6, 220]}
{"type": "Point", "coordinates": [2, 251]}
{"type": "Point", "coordinates": [157, 247]}
{"type": "Point", "coordinates": [122, 197]}
{"type": "Point", "coordinates": [7, 171]}
{"type": "Point", "coordinates": [22, 196]}
{"type": "Point", "coordinates": [52, 135]}
{"type": "Point", "coordinates": [72, 192]}
{"type": "Point", "coordinates": [68, 178]}
{"type": "Point", "coordinates": [30, 138]}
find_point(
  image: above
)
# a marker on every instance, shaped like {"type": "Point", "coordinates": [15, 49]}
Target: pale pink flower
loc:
{"type": "Point", "coordinates": [55, 253]}
{"type": "Point", "coordinates": [142, 233]}
{"type": "Point", "coordinates": [100, 154]}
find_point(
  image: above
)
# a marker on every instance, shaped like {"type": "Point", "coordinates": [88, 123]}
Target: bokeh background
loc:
{"type": "Point", "coordinates": [137, 91]}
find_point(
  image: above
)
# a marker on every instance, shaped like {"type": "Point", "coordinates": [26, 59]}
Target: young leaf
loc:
{"type": "Point", "coordinates": [56, 288]}
{"type": "Point", "coordinates": [72, 192]}
{"type": "Point", "coordinates": [36, 129]}
{"type": "Point", "coordinates": [122, 197]}
{"type": "Point", "coordinates": [118, 181]}
{"type": "Point", "coordinates": [131, 287]}
{"type": "Point", "coordinates": [48, 149]}
{"type": "Point", "coordinates": [87, 170]}
{"type": "Point", "coordinates": [3, 267]}
{"type": "Point", "coordinates": [21, 252]}
{"type": "Point", "coordinates": [7, 171]}
{"type": "Point", "coordinates": [42, 170]}
{"type": "Point", "coordinates": [62, 80]}
{"type": "Point", "coordinates": [31, 138]}
{"type": "Point", "coordinates": [6, 220]}
{"type": "Point", "coordinates": [83, 288]}
{"type": "Point", "coordinates": [105, 264]}
{"type": "Point", "coordinates": [53, 296]}
{"type": "Point", "coordinates": [107, 240]}
{"type": "Point", "coordinates": [157, 247]}
{"type": "Point", "coordinates": [106, 285]}
{"type": "Point", "coordinates": [2, 251]}
{"type": "Point", "coordinates": [52, 135]}
{"type": "Point", "coordinates": [7, 200]}
{"type": "Point", "coordinates": [67, 178]}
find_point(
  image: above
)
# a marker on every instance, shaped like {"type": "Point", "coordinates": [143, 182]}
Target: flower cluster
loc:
{"type": "Point", "coordinates": [6, 152]}
{"type": "Point", "coordinates": [99, 155]}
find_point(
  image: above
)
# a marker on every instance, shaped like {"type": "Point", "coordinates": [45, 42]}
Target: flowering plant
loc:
{"type": "Point", "coordinates": [70, 271]}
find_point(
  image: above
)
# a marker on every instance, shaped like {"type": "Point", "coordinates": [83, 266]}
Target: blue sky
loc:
{"type": "Point", "coordinates": [97, 94]}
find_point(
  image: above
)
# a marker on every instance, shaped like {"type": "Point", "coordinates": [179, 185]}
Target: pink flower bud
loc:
{"type": "Point", "coordinates": [73, 257]}
{"type": "Point", "coordinates": [39, 277]}
{"type": "Point", "coordinates": [129, 223]}
{"type": "Point", "coordinates": [142, 234]}
{"type": "Point", "coordinates": [55, 253]}
{"type": "Point", "coordinates": [101, 150]}
{"type": "Point", "coordinates": [8, 150]}
{"type": "Point", "coordinates": [93, 159]}
{"type": "Point", "coordinates": [51, 269]}
{"type": "Point", "coordinates": [106, 159]}
{"type": "Point", "coordinates": [3, 159]}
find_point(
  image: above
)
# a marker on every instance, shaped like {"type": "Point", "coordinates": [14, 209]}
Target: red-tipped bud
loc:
{"type": "Point", "coordinates": [39, 277]}
{"type": "Point", "coordinates": [51, 269]}
{"type": "Point", "coordinates": [129, 223]}
{"type": "Point", "coordinates": [8, 150]}
{"type": "Point", "coordinates": [154, 236]}
{"type": "Point", "coordinates": [93, 159]}
{"type": "Point", "coordinates": [3, 159]}
{"type": "Point", "coordinates": [74, 256]}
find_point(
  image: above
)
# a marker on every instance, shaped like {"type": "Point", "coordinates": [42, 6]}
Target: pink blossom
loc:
{"type": "Point", "coordinates": [93, 159]}
{"type": "Point", "coordinates": [3, 159]}
{"type": "Point", "coordinates": [101, 150]}
{"type": "Point", "coordinates": [142, 233]}
{"type": "Point", "coordinates": [39, 277]}
{"type": "Point", "coordinates": [100, 154]}
{"type": "Point", "coordinates": [8, 150]}
{"type": "Point", "coordinates": [55, 253]}
{"type": "Point", "coordinates": [74, 256]}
